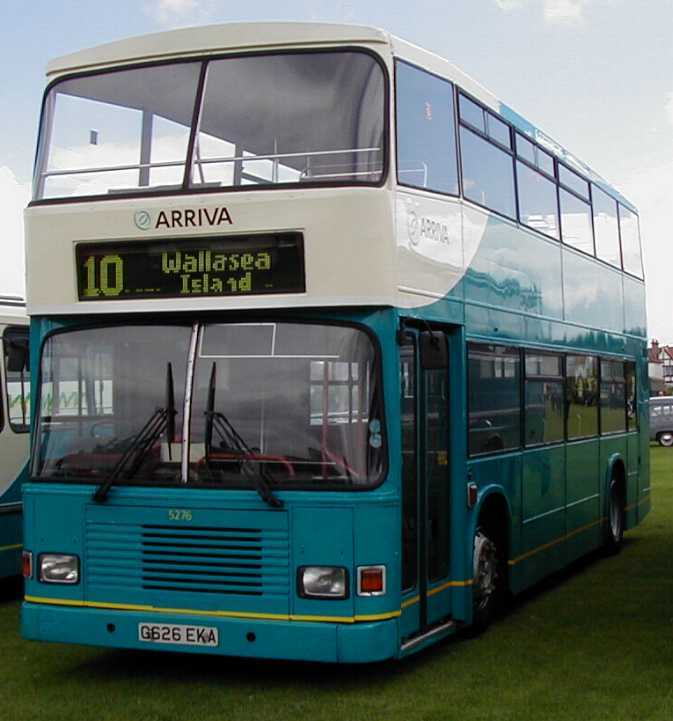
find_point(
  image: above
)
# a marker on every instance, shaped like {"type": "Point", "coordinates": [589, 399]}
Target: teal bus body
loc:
{"type": "Point", "coordinates": [545, 504]}
{"type": "Point", "coordinates": [352, 529]}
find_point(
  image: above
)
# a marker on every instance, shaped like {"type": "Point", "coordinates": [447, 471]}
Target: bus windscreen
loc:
{"type": "Point", "coordinates": [299, 403]}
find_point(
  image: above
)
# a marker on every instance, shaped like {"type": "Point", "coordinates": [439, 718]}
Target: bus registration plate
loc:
{"type": "Point", "coordinates": [178, 634]}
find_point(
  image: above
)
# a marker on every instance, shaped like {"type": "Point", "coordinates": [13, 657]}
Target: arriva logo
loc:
{"type": "Point", "coordinates": [413, 226]}
{"type": "Point", "coordinates": [142, 219]}
{"type": "Point", "coordinates": [188, 218]}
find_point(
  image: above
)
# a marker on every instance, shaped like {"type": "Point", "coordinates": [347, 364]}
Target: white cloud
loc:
{"type": "Point", "coordinates": [175, 13]}
{"type": "Point", "coordinates": [509, 5]}
{"type": "Point", "coordinates": [651, 190]}
{"type": "Point", "coordinates": [330, 10]}
{"type": "Point", "coordinates": [14, 197]}
{"type": "Point", "coordinates": [668, 107]}
{"type": "Point", "coordinates": [564, 10]}
{"type": "Point", "coordinates": [553, 11]}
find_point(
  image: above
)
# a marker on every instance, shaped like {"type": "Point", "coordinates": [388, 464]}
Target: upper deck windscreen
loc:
{"type": "Point", "coordinates": [303, 117]}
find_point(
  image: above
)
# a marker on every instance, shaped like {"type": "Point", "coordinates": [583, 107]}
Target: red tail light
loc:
{"type": "Point", "coordinates": [371, 580]}
{"type": "Point", "coordinates": [27, 564]}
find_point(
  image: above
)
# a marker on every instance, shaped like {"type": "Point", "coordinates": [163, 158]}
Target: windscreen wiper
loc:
{"type": "Point", "coordinates": [163, 419]}
{"type": "Point", "coordinates": [254, 471]}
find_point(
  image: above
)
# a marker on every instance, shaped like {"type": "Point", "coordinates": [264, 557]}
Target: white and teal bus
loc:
{"type": "Point", "coordinates": [14, 429]}
{"type": "Point", "coordinates": [330, 347]}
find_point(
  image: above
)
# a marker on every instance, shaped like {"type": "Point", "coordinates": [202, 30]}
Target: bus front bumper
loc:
{"type": "Point", "coordinates": [287, 640]}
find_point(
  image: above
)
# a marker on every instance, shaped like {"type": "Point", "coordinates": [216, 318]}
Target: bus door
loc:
{"type": "Point", "coordinates": [425, 480]}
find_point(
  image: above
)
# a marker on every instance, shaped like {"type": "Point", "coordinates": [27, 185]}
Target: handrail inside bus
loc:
{"type": "Point", "coordinates": [204, 161]}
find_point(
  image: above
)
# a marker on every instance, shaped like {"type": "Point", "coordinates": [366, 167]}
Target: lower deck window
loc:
{"type": "Point", "coordinates": [613, 397]}
{"type": "Point", "coordinates": [544, 418]}
{"type": "Point", "coordinates": [494, 398]}
{"type": "Point", "coordinates": [582, 396]}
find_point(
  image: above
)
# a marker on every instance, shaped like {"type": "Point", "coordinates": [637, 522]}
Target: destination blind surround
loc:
{"type": "Point", "coordinates": [177, 268]}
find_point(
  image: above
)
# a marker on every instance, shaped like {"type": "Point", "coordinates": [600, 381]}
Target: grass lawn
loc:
{"type": "Point", "coordinates": [591, 644]}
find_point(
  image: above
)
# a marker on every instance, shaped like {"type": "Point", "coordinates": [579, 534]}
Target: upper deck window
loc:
{"type": "Point", "coordinates": [630, 234]}
{"type": "Point", "coordinates": [291, 118]}
{"type": "Point", "coordinates": [573, 182]}
{"type": "Point", "coordinates": [426, 134]}
{"type": "Point", "coordinates": [538, 208]}
{"type": "Point", "coordinates": [488, 177]}
{"type": "Point", "coordinates": [117, 132]}
{"type": "Point", "coordinates": [576, 228]}
{"type": "Point", "coordinates": [534, 155]}
{"type": "Point", "coordinates": [605, 227]}
{"type": "Point", "coordinates": [305, 117]}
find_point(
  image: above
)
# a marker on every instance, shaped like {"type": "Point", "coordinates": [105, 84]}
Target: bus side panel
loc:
{"type": "Point", "coordinates": [585, 480]}
{"type": "Point", "coordinates": [633, 467]}
{"type": "Point", "coordinates": [509, 269]}
{"type": "Point", "coordinates": [543, 519]}
{"type": "Point", "coordinates": [604, 307]}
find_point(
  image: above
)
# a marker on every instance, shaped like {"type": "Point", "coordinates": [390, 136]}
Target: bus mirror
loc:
{"type": "Point", "coordinates": [17, 356]}
{"type": "Point", "coordinates": [434, 350]}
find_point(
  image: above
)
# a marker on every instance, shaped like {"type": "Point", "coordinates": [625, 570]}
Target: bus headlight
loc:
{"type": "Point", "coordinates": [323, 582]}
{"type": "Point", "coordinates": [59, 568]}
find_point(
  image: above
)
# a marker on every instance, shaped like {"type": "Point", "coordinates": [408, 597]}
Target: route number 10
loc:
{"type": "Point", "coordinates": [110, 272]}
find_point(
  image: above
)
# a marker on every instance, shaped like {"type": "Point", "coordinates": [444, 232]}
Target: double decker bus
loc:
{"type": "Point", "coordinates": [14, 428]}
{"type": "Point", "coordinates": [332, 348]}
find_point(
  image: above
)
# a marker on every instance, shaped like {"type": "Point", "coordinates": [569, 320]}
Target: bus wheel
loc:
{"type": "Point", "coordinates": [487, 581]}
{"type": "Point", "coordinates": [665, 439]}
{"type": "Point", "coordinates": [615, 531]}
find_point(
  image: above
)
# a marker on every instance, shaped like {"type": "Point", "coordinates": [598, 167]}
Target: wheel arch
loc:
{"type": "Point", "coordinates": [616, 468]}
{"type": "Point", "coordinates": [493, 504]}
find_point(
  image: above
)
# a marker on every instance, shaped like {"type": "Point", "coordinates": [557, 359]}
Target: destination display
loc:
{"type": "Point", "coordinates": [175, 268]}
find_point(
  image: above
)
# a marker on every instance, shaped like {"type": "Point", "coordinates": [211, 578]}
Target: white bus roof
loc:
{"type": "Point", "coordinates": [229, 37]}
{"type": "Point", "coordinates": [215, 38]}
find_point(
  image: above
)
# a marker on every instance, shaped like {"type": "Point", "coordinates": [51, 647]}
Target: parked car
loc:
{"type": "Point", "coordinates": [661, 420]}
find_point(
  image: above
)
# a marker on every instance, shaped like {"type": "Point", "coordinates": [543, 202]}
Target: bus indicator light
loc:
{"type": "Point", "coordinates": [27, 564]}
{"type": "Point", "coordinates": [371, 580]}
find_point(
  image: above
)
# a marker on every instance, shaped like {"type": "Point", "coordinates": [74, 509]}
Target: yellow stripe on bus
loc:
{"type": "Point", "coordinates": [637, 503]}
{"type": "Point", "coordinates": [217, 614]}
{"type": "Point", "coordinates": [449, 584]}
{"type": "Point", "coordinates": [14, 547]}
{"type": "Point", "coordinates": [572, 533]}
{"type": "Point", "coordinates": [556, 541]}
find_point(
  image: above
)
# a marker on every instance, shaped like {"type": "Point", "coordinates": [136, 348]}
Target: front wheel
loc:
{"type": "Point", "coordinates": [665, 439]}
{"type": "Point", "coordinates": [615, 531]}
{"type": "Point", "coordinates": [488, 581]}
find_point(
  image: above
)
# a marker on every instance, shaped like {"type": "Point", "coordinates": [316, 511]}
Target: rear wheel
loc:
{"type": "Point", "coordinates": [615, 530]}
{"type": "Point", "coordinates": [665, 439]}
{"type": "Point", "coordinates": [488, 580]}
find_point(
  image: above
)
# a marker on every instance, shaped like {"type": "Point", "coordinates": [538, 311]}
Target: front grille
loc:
{"type": "Point", "coordinates": [200, 559]}
{"type": "Point", "coordinates": [226, 560]}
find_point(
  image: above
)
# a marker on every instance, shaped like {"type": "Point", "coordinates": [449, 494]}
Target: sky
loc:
{"type": "Point", "coordinates": [596, 75]}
